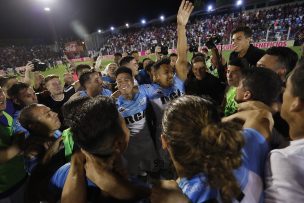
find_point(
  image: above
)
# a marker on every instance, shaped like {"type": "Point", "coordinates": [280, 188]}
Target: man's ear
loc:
{"type": "Point", "coordinates": [247, 95]}
{"type": "Point", "coordinates": [297, 105]}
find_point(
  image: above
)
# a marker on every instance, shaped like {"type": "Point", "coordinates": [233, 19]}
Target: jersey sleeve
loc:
{"type": "Point", "coordinates": [255, 151]}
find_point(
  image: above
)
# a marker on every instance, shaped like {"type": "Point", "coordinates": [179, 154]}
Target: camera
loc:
{"type": "Point", "coordinates": [38, 65]}
{"type": "Point", "coordinates": [213, 40]}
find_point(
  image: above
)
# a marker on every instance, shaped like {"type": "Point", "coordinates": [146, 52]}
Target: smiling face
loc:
{"type": "Point", "coordinates": [111, 70]}
{"type": "Point", "coordinates": [164, 75]}
{"type": "Point", "coordinates": [199, 70]}
{"type": "Point", "coordinates": [125, 83]}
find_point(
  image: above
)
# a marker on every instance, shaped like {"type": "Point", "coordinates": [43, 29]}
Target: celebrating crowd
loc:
{"type": "Point", "coordinates": [169, 130]}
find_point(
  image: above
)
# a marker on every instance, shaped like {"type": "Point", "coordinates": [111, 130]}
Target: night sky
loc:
{"type": "Point", "coordinates": [21, 19]}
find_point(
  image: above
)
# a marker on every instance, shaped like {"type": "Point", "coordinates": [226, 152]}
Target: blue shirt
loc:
{"type": "Point", "coordinates": [108, 79]}
{"type": "Point", "coordinates": [134, 112]}
{"type": "Point", "coordinates": [104, 92]}
{"type": "Point", "coordinates": [17, 127]}
{"type": "Point", "coordinates": [160, 97]}
{"type": "Point", "coordinates": [143, 77]}
{"type": "Point", "coordinates": [249, 175]}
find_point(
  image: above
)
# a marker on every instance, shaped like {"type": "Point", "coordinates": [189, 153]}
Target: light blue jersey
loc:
{"type": "Point", "coordinates": [134, 112]}
{"type": "Point", "coordinates": [160, 96]}
{"type": "Point", "coordinates": [104, 92]}
{"type": "Point", "coordinates": [249, 175]}
{"type": "Point", "coordinates": [140, 153]}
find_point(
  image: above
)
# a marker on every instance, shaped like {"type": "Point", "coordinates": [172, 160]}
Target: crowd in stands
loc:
{"type": "Point", "coordinates": [169, 130]}
{"type": "Point", "coordinates": [17, 56]}
{"type": "Point", "coordinates": [277, 20]}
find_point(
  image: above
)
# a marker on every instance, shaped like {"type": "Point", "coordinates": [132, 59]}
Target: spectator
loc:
{"type": "Point", "coordinates": [241, 38]}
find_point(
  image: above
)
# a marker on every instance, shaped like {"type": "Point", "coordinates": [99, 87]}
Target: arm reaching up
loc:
{"type": "Point", "coordinates": [183, 15]}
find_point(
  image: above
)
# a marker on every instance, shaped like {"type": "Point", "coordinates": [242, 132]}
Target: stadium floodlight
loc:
{"type": "Point", "coordinates": [127, 25]}
{"type": "Point", "coordinates": [112, 28]}
{"type": "Point", "coordinates": [99, 30]}
{"type": "Point", "coordinates": [239, 2]}
{"type": "Point", "coordinates": [47, 9]}
{"type": "Point", "coordinates": [143, 21]}
{"type": "Point", "coordinates": [210, 8]}
{"type": "Point", "coordinates": [162, 18]}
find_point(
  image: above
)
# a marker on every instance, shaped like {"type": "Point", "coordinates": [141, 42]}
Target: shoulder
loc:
{"type": "Point", "coordinates": [59, 177]}
{"type": "Point", "coordinates": [197, 189]}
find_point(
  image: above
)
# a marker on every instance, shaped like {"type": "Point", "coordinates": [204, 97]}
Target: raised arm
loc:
{"type": "Point", "coordinates": [183, 15]}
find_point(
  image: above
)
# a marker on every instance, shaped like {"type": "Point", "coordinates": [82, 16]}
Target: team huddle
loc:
{"type": "Point", "coordinates": [168, 130]}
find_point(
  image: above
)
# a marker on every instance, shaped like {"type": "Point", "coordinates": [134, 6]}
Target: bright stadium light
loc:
{"type": "Point", "coordinates": [239, 2]}
{"type": "Point", "coordinates": [162, 18]}
{"type": "Point", "coordinates": [127, 25]}
{"type": "Point", "coordinates": [210, 7]}
{"type": "Point", "coordinates": [99, 30]}
{"type": "Point", "coordinates": [143, 21]}
{"type": "Point", "coordinates": [47, 9]}
{"type": "Point", "coordinates": [112, 28]}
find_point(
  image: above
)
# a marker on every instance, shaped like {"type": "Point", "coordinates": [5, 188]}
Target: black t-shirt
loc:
{"type": "Point", "coordinates": [46, 99]}
{"type": "Point", "coordinates": [209, 86]}
{"type": "Point", "coordinates": [252, 56]}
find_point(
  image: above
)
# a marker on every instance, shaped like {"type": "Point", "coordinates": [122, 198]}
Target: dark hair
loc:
{"type": "Point", "coordinates": [145, 59]}
{"type": "Point", "coordinates": [50, 77]}
{"type": "Point", "coordinates": [123, 70]}
{"type": "Point", "coordinates": [134, 52]}
{"type": "Point", "coordinates": [247, 31]}
{"type": "Point", "coordinates": [163, 61]}
{"type": "Point", "coordinates": [297, 80]}
{"type": "Point", "coordinates": [199, 142]}
{"type": "Point", "coordinates": [96, 126]}
{"type": "Point", "coordinates": [14, 91]}
{"type": "Point", "coordinates": [85, 76]}
{"type": "Point", "coordinates": [172, 55]}
{"type": "Point", "coordinates": [125, 60]}
{"type": "Point", "coordinates": [81, 67]}
{"type": "Point", "coordinates": [197, 59]}
{"type": "Point", "coordinates": [29, 122]}
{"type": "Point", "coordinates": [197, 55]}
{"type": "Point", "coordinates": [264, 84]}
{"type": "Point", "coordinates": [70, 109]}
{"type": "Point", "coordinates": [286, 57]}
{"type": "Point", "coordinates": [149, 66]}
{"type": "Point", "coordinates": [118, 54]}
{"type": "Point", "coordinates": [239, 62]}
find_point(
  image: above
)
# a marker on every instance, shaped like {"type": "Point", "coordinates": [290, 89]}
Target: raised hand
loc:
{"type": "Point", "coordinates": [184, 12]}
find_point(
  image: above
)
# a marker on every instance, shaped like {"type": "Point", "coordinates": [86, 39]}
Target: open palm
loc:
{"type": "Point", "coordinates": [184, 12]}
